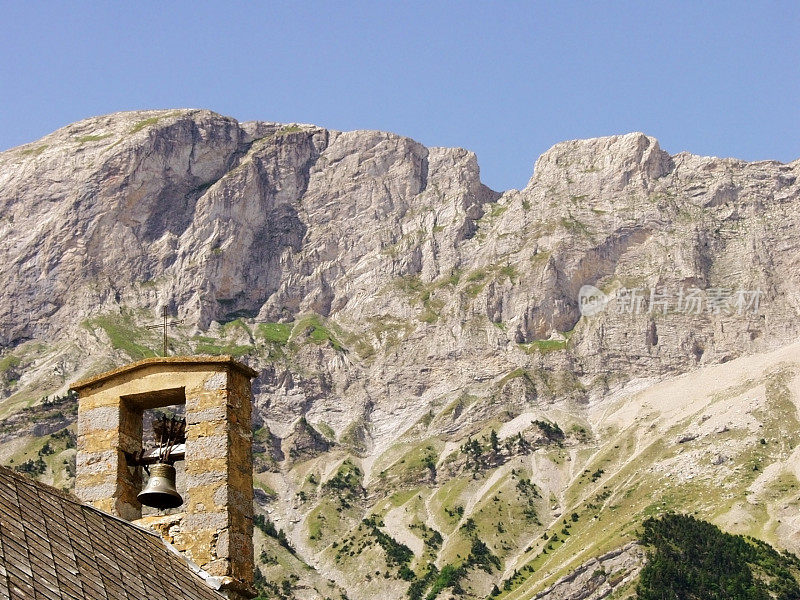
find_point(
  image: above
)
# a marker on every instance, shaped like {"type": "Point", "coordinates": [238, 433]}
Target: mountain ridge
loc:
{"type": "Point", "coordinates": [399, 311]}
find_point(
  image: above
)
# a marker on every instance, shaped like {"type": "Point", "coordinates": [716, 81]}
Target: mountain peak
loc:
{"type": "Point", "coordinates": [619, 156]}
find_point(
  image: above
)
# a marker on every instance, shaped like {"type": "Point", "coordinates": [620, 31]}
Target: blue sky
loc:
{"type": "Point", "coordinates": [506, 80]}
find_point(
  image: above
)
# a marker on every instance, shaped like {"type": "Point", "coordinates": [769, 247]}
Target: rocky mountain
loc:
{"type": "Point", "coordinates": [459, 388]}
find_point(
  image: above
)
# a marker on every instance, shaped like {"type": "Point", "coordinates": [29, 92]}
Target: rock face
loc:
{"type": "Point", "coordinates": [398, 242]}
{"type": "Point", "coordinates": [599, 577]}
{"type": "Point", "coordinates": [220, 219]}
{"type": "Point", "coordinates": [384, 293]}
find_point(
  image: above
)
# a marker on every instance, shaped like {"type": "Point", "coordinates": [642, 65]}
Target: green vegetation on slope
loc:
{"type": "Point", "coordinates": [346, 484]}
{"type": "Point", "coordinates": [92, 138]}
{"type": "Point", "coordinates": [277, 333]}
{"type": "Point", "coordinates": [690, 558]}
{"type": "Point", "coordinates": [124, 334]}
{"type": "Point", "coordinates": [313, 327]}
{"type": "Point", "coordinates": [139, 125]}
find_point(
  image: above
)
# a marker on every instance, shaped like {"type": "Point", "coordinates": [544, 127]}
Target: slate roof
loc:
{"type": "Point", "coordinates": [52, 547]}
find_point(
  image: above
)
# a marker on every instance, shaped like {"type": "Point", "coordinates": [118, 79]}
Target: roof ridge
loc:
{"type": "Point", "coordinates": [40, 484]}
{"type": "Point", "coordinates": [70, 497]}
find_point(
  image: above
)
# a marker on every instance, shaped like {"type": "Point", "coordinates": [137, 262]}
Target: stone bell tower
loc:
{"type": "Point", "coordinates": [215, 530]}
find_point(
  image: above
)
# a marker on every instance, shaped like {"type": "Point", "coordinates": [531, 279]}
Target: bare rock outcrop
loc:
{"type": "Point", "coordinates": [599, 577]}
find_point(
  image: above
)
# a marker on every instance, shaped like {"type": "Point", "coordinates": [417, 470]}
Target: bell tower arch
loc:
{"type": "Point", "coordinates": [216, 529]}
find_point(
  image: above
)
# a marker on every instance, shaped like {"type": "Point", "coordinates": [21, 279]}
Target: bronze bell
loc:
{"type": "Point", "coordinates": [160, 490]}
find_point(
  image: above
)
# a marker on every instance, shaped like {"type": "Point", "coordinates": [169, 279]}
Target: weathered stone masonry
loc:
{"type": "Point", "coordinates": [216, 528]}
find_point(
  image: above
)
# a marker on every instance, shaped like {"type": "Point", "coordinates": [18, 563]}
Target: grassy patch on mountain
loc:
{"type": "Point", "coordinates": [213, 347]}
{"type": "Point", "coordinates": [339, 506]}
{"type": "Point", "coordinates": [561, 382]}
{"type": "Point", "coordinates": [508, 514]}
{"type": "Point", "coordinates": [280, 572]}
{"type": "Point", "coordinates": [494, 210]}
{"type": "Point", "coordinates": [576, 227]}
{"type": "Point", "coordinates": [355, 437]}
{"type": "Point", "coordinates": [450, 498]}
{"type": "Point", "coordinates": [540, 258]}
{"type": "Point", "coordinates": [397, 554]}
{"type": "Point", "coordinates": [560, 342]}
{"type": "Point", "coordinates": [314, 329]}
{"type": "Point", "coordinates": [476, 281]}
{"type": "Point", "coordinates": [515, 374]}
{"type": "Point", "coordinates": [780, 414]}
{"type": "Point", "coordinates": [264, 487]}
{"type": "Point", "coordinates": [359, 342]}
{"type": "Point", "coordinates": [324, 523]}
{"type": "Point", "coordinates": [613, 495]}
{"type": "Point", "coordinates": [271, 340]}
{"type": "Point", "coordinates": [235, 338]}
{"type": "Point", "coordinates": [423, 294]}
{"type": "Point", "coordinates": [47, 409]}
{"type": "Point", "coordinates": [9, 362]}
{"type": "Point", "coordinates": [608, 510]}
{"type": "Point", "coordinates": [401, 497]}
{"type": "Point", "coordinates": [92, 138]}
{"type": "Point", "coordinates": [326, 430]}
{"type": "Point", "coordinates": [124, 334]}
{"type": "Point", "coordinates": [34, 150]}
{"type": "Point", "coordinates": [275, 333]}
{"type": "Point", "coordinates": [476, 556]}
{"type": "Point", "coordinates": [416, 466]}
{"type": "Point", "coordinates": [139, 125]}
{"type": "Point", "coordinates": [287, 129]}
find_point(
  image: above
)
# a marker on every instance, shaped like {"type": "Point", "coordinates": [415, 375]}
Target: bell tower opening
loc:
{"type": "Point", "coordinates": [162, 459]}
{"type": "Point", "coordinates": [212, 448]}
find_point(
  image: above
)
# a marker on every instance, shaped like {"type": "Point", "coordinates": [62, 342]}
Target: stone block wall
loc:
{"type": "Point", "coordinates": [216, 528]}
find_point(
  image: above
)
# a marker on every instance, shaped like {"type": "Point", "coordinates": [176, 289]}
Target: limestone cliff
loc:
{"type": "Point", "coordinates": [396, 308]}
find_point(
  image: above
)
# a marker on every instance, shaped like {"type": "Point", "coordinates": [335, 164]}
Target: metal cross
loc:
{"type": "Point", "coordinates": [165, 325]}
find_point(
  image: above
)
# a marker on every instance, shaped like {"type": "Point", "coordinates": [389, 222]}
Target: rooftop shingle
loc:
{"type": "Point", "coordinates": [53, 547]}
